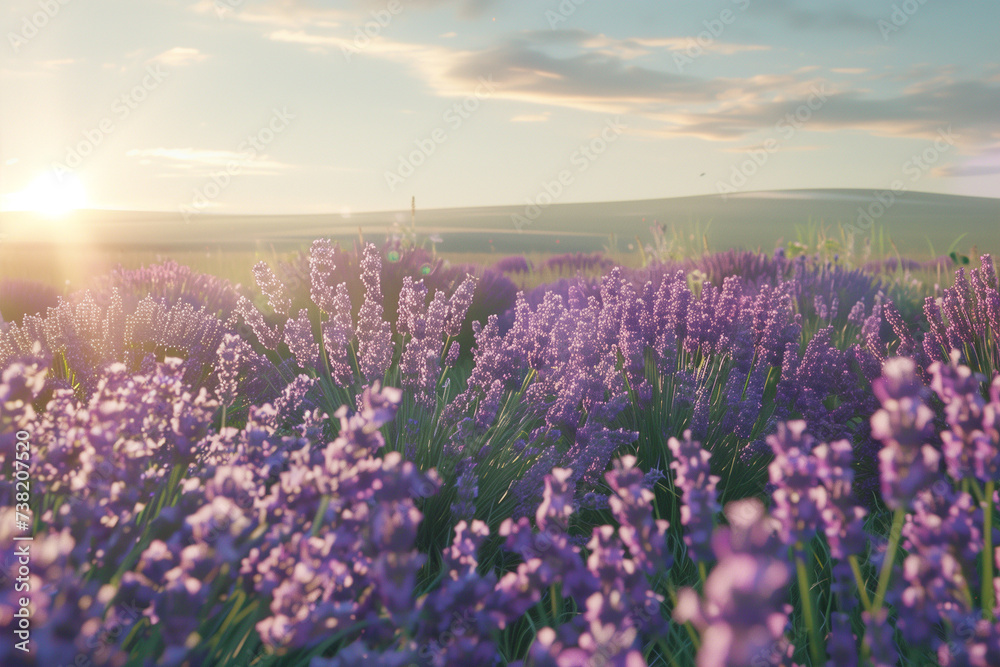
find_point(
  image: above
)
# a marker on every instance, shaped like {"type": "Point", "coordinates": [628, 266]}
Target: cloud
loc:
{"type": "Point", "coordinates": [635, 47]}
{"type": "Point", "coordinates": [200, 161]}
{"type": "Point", "coordinates": [180, 56]}
{"type": "Point", "coordinates": [582, 70]}
{"type": "Point", "coordinates": [962, 171]}
{"type": "Point", "coordinates": [312, 13]}
{"type": "Point", "coordinates": [277, 13]}
{"type": "Point", "coordinates": [830, 17]}
{"type": "Point", "coordinates": [38, 68]}
{"type": "Point", "coordinates": [531, 118]}
{"type": "Point", "coordinates": [965, 106]}
{"type": "Point", "coordinates": [466, 9]}
{"type": "Point", "coordinates": [761, 146]}
{"type": "Point", "coordinates": [986, 163]}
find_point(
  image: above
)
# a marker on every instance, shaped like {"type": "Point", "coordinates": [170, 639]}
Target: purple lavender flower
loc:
{"type": "Point", "coordinates": [170, 282]}
{"type": "Point", "coordinates": [693, 476]}
{"type": "Point", "coordinates": [513, 264]}
{"type": "Point", "coordinates": [799, 499]}
{"type": "Point", "coordinates": [338, 331]}
{"type": "Point", "coordinates": [300, 341]}
{"type": "Point", "coordinates": [971, 444]}
{"type": "Point", "coordinates": [369, 520]}
{"type": "Point", "coordinates": [275, 290]}
{"type": "Point", "coordinates": [843, 517]}
{"type": "Point", "coordinates": [632, 507]}
{"type": "Point", "coordinates": [943, 537]}
{"type": "Point", "coordinates": [374, 335]}
{"type": "Point", "coordinates": [857, 315]}
{"type": "Point", "coordinates": [467, 490]}
{"type": "Point", "coordinates": [903, 424]}
{"type": "Point", "coordinates": [879, 639]}
{"type": "Point", "coordinates": [322, 265]}
{"type": "Point", "coordinates": [841, 643]}
{"type": "Point", "coordinates": [742, 614]}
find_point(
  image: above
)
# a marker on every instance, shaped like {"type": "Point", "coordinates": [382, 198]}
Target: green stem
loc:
{"type": "Point", "coordinates": [695, 641]}
{"type": "Point", "coordinates": [862, 586]}
{"type": "Point", "coordinates": [987, 595]}
{"type": "Point", "coordinates": [815, 648]}
{"type": "Point", "coordinates": [890, 555]}
{"type": "Point", "coordinates": [324, 504]}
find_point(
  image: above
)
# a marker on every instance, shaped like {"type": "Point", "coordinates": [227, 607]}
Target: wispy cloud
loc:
{"type": "Point", "coordinates": [635, 47]}
{"type": "Point", "coordinates": [596, 78]}
{"type": "Point", "coordinates": [986, 163]}
{"type": "Point", "coordinates": [200, 161]}
{"type": "Point", "coordinates": [39, 68]}
{"type": "Point", "coordinates": [466, 9]}
{"type": "Point", "coordinates": [180, 56]}
{"type": "Point", "coordinates": [839, 16]}
{"type": "Point", "coordinates": [276, 13]}
{"type": "Point", "coordinates": [966, 106]}
{"type": "Point", "coordinates": [531, 117]}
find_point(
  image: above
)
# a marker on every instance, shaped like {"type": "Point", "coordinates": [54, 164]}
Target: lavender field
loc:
{"type": "Point", "coordinates": [376, 456]}
{"type": "Point", "coordinates": [469, 333]}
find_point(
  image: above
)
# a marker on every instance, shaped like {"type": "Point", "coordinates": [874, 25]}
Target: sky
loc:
{"type": "Point", "coordinates": [298, 106]}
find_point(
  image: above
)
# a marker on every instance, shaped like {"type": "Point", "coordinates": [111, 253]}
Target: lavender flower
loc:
{"type": "Point", "coordinates": [742, 614]}
{"type": "Point", "coordinates": [300, 341]}
{"type": "Point", "coordinates": [903, 424]}
{"type": "Point", "coordinates": [374, 335]}
{"type": "Point", "coordinates": [970, 445]}
{"type": "Point", "coordinates": [693, 476]}
{"type": "Point", "coordinates": [879, 640]}
{"type": "Point", "coordinates": [275, 290]}
{"type": "Point", "coordinates": [799, 499]}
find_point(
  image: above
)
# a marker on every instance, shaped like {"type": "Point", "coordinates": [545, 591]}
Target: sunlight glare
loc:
{"type": "Point", "coordinates": [52, 195]}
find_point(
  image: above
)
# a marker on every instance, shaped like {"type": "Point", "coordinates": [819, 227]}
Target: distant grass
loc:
{"type": "Point", "coordinates": [72, 269]}
{"type": "Point", "coordinates": [73, 266]}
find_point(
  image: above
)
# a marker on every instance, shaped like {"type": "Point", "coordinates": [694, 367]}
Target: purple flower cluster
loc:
{"type": "Point", "coordinates": [86, 337]}
{"type": "Point", "coordinates": [904, 424]}
{"type": "Point", "coordinates": [615, 583]}
{"type": "Point", "coordinates": [967, 318]}
{"type": "Point", "coordinates": [170, 282]}
{"type": "Point", "coordinates": [799, 497]}
{"type": "Point", "coordinates": [698, 486]}
{"type": "Point", "coordinates": [742, 611]}
{"type": "Point", "coordinates": [971, 444]}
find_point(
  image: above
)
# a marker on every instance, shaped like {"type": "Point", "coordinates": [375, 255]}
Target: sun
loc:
{"type": "Point", "coordinates": [51, 194]}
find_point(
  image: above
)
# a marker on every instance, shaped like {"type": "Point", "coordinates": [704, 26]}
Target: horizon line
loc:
{"type": "Point", "coordinates": [496, 206]}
